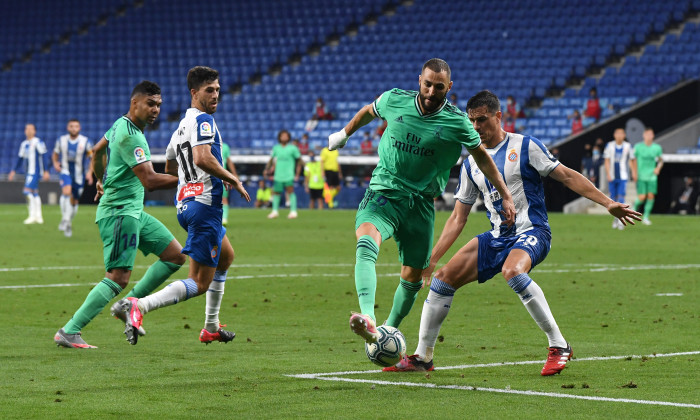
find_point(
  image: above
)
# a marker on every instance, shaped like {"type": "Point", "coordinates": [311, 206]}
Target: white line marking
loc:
{"type": "Point", "coordinates": [259, 276]}
{"type": "Point", "coordinates": [334, 376]}
{"type": "Point", "coordinates": [90, 267]}
{"type": "Point", "coordinates": [593, 268]}
{"type": "Point", "coordinates": [669, 294]}
{"type": "Point", "coordinates": [510, 391]}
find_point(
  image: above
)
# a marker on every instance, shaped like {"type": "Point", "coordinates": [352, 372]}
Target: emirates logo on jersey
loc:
{"type": "Point", "coordinates": [512, 155]}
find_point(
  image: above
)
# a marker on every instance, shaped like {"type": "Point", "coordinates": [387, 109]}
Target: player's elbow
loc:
{"type": "Point", "coordinates": [150, 183]}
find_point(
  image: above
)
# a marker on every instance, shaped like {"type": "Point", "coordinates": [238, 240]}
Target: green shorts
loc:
{"type": "Point", "coordinates": [646, 187]}
{"type": "Point", "coordinates": [410, 220]}
{"type": "Point", "coordinates": [123, 235]}
{"type": "Point", "coordinates": [279, 186]}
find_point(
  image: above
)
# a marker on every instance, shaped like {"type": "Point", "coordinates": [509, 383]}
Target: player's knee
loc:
{"type": "Point", "coordinates": [202, 285]}
{"type": "Point", "coordinates": [179, 258]}
{"type": "Point", "coordinates": [119, 276]}
{"type": "Point", "coordinates": [225, 261]}
{"type": "Point", "coordinates": [510, 272]}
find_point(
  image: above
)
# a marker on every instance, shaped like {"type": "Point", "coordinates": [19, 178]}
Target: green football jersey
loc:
{"type": "Point", "coordinates": [123, 192]}
{"type": "Point", "coordinates": [417, 151]}
{"type": "Point", "coordinates": [647, 158]}
{"type": "Point", "coordinates": [285, 161]}
{"type": "Point", "coordinates": [225, 154]}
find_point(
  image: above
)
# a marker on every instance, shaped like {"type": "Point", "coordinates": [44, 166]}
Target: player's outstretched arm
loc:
{"type": "Point", "coordinates": [582, 186]}
{"type": "Point", "coordinates": [363, 117]}
{"type": "Point", "coordinates": [488, 167]}
{"type": "Point", "coordinates": [207, 162]}
{"type": "Point", "coordinates": [453, 228]}
{"type": "Point", "coordinates": [152, 180]}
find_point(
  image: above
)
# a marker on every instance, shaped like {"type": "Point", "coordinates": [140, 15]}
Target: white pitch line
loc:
{"type": "Point", "coordinates": [333, 376]}
{"type": "Point", "coordinates": [592, 268]}
{"type": "Point", "coordinates": [91, 267]}
{"type": "Point", "coordinates": [524, 362]}
{"type": "Point", "coordinates": [257, 276]}
{"type": "Point", "coordinates": [509, 391]}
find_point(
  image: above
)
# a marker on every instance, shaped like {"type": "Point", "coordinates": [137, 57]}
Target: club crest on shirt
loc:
{"type": "Point", "coordinates": [205, 129]}
{"type": "Point", "coordinates": [512, 155]}
{"type": "Point", "coordinates": [140, 155]}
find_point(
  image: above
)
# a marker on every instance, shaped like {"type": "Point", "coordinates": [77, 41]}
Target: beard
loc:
{"type": "Point", "coordinates": [435, 102]}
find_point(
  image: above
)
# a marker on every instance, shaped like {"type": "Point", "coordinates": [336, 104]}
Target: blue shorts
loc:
{"type": "Point", "coordinates": [31, 182]}
{"type": "Point", "coordinates": [618, 188]}
{"type": "Point", "coordinates": [494, 251]}
{"type": "Point", "coordinates": [204, 231]}
{"type": "Point", "coordinates": [76, 189]}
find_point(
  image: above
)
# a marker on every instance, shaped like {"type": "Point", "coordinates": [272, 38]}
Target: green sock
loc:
{"type": "Point", "coordinates": [276, 202]}
{"type": "Point", "coordinates": [366, 274]}
{"type": "Point", "coordinates": [293, 202]}
{"type": "Point", "coordinates": [95, 302]}
{"type": "Point", "coordinates": [404, 298]}
{"type": "Point", "coordinates": [637, 202]}
{"type": "Point", "coordinates": [225, 215]}
{"type": "Point", "coordinates": [154, 277]}
{"type": "Point", "coordinates": [647, 208]}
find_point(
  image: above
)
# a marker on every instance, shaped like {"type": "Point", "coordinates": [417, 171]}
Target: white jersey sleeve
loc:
{"type": "Point", "coordinates": [467, 192]}
{"type": "Point", "coordinates": [609, 151]}
{"type": "Point", "coordinates": [170, 153]}
{"type": "Point", "coordinates": [23, 149]}
{"type": "Point", "coordinates": [540, 158]}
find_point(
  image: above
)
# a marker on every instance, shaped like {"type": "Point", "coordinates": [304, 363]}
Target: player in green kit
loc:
{"type": "Point", "coordinates": [286, 159]}
{"type": "Point", "coordinates": [422, 142]}
{"type": "Point", "coordinates": [649, 165]}
{"type": "Point", "coordinates": [228, 164]}
{"type": "Point", "coordinates": [124, 227]}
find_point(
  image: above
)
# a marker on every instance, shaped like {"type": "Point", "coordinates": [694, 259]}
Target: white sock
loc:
{"type": "Point", "coordinates": [435, 309]}
{"type": "Point", "coordinates": [73, 210]}
{"type": "Point", "coordinates": [30, 205]}
{"type": "Point", "coordinates": [37, 207]}
{"type": "Point", "coordinates": [170, 295]}
{"type": "Point", "coordinates": [62, 206]}
{"type": "Point", "coordinates": [536, 304]}
{"type": "Point", "coordinates": [213, 298]}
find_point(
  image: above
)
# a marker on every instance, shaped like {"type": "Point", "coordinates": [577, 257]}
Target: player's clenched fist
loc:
{"type": "Point", "coordinates": [337, 140]}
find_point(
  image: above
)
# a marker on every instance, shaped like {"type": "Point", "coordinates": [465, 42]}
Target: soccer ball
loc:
{"type": "Point", "coordinates": [389, 348]}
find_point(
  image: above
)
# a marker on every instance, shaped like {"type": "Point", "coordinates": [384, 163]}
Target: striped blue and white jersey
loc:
{"type": "Point", "coordinates": [32, 152]}
{"type": "Point", "coordinates": [522, 161]}
{"type": "Point", "coordinates": [196, 129]}
{"type": "Point", "coordinates": [72, 154]}
{"type": "Point", "coordinates": [619, 156]}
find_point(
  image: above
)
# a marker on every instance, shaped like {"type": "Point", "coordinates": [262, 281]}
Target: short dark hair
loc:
{"type": "Point", "coordinates": [438, 65]}
{"type": "Point", "coordinates": [74, 120]}
{"type": "Point", "coordinates": [146, 87]}
{"type": "Point", "coordinates": [484, 98]}
{"type": "Point", "coordinates": [199, 75]}
{"type": "Point", "coordinates": [648, 128]}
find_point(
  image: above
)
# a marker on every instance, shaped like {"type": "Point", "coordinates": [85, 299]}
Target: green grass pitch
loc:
{"type": "Point", "coordinates": [615, 294]}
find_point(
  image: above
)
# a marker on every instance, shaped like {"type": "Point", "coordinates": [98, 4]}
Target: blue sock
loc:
{"type": "Point", "coordinates": [519, 282]}
{"type": "Point", "coordinates": [442, 288]}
